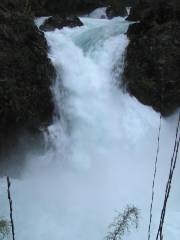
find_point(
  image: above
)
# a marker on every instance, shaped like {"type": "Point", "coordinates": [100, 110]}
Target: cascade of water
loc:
{"type": "Point", "coordinates": [101, 149]}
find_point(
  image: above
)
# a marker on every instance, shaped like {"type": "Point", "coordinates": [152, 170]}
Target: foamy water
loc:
{"type": "Point", "coordinates": [100, 151]}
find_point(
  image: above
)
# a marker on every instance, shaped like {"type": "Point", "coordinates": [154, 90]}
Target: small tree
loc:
{"type": "Point", "coordinates": [123, 222]}
{"type": "Point", "coordinates": [4, 228]}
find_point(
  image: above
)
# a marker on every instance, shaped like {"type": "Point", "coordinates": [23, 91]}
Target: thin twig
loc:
{"type": "Point", "coordinates": [10, 207]}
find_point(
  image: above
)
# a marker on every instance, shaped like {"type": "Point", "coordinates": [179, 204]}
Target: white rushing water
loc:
{"type": "Point", "coordinates": [100, 152]}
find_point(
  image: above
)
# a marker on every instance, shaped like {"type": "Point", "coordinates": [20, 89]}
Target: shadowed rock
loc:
{"type": "Point", "coordinates": [152, 64]}
{"type": "Point", "coordinates": [25, 77]}
{"type": "Point", "coordinates": [59, 22]}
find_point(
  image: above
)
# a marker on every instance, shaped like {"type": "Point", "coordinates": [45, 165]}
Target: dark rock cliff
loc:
{"type": "Point", "coordinates": [152, 64]}
{"type": "Point", "coordinates": [26, 75]}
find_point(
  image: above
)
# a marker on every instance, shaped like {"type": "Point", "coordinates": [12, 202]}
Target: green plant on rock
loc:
{"type": "Point", "coordinates": [123, 222]}
{"type": "Point", "coordinates": [4, 228]}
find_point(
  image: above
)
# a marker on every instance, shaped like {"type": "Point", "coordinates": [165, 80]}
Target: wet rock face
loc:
{"type": "Point", "coordinates": [25, 77]}
{"type": "Point", "coordinates": [152, 64]}
{"type": "Point", "coordinates": [59, 22]}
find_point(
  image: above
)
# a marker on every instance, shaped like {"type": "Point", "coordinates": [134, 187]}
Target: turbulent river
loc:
{"type": "Point", "coordinates": [100, 149]}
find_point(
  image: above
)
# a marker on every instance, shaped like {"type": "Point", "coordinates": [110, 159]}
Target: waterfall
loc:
{"type": "Point", "coordinates": [100, 148]}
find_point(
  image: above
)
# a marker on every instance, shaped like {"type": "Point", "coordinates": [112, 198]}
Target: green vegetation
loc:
{"type": "Point", "coordinates": [123, 222]}
{"type": "Point", "coordinates": [4, 228]}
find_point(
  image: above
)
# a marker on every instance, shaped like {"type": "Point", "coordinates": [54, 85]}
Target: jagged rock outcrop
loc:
{"type": "Point", "coordinates": [59, 22]}
{"type": "Point", "coordinates": [152, 64]}
{"type": "Point", "coordinates": [25, 77]}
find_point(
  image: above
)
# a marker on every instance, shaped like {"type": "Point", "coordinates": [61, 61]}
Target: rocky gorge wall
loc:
{"type": "Point", "coordinates": [152, 64]}
{"type": "Point", "coordinates": [26, 75]}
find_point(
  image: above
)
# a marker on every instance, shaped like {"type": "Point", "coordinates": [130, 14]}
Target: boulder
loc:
{"type": "Point", "coordinates": [59, 22]}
